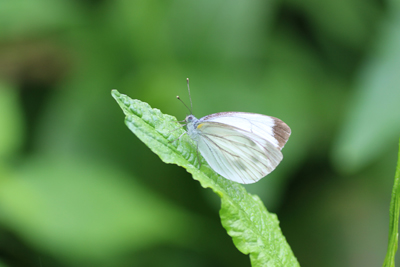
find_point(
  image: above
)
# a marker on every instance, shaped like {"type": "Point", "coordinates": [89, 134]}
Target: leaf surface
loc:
{"type": "Point", "coordinates": [253, 229]}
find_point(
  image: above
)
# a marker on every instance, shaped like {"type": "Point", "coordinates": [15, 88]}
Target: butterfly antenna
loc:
{"type": "Point", "coordinates": [190, 97]}
{"type": "Point", "coordinates": [183, 103]}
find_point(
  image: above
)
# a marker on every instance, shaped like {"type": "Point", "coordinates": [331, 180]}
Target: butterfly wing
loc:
{"type": "Point", "coordinates": [272, 129]}
{"type": "Point", "coordinates": [242, 147]}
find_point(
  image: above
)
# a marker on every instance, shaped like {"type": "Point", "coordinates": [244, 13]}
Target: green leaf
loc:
{"type": "Point", "coordinates": [2, 264]}
{"type": "Point", "coordinates": [253, 229]}
{"type": "Point", "coordinates": [373, 121]}
{"type": "Point", "coordinates": [77, 209]}
{"type": "Point", "coordinates": [31, 18]}
{"type": "Point", "coordinates": [11, 122]}
{"type": "Point", "coordinates": [394, 218]}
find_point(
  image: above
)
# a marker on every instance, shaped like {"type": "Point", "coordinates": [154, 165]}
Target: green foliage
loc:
{"type": "Point", "coordinates": [329, 69]}
{"type": "Point", "coordinates": [254, 230]}
{"type": "Point", "coordinates": [11, 126]}
{"type": "Point", "coordinates": [371, 123]}
{"type": "Point", "coordinates": [82, 212]}
{"type": "Point", "coordinates": [394, 219]}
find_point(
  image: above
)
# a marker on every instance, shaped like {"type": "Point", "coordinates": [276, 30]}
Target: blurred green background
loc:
{"type": "Point", "coordinates": [77, 188]}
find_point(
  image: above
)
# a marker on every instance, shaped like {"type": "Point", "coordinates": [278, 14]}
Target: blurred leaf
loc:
{"type": "Point", "coordinates": [10, 121]}
{"type": "Point", "coordinates": [373, 122]}
{"type": "Point", "coordinates": [28, 18]}
{"type": "Point", "coordinates": [193, 30]}
{"type": "Point", "coordinates": [340, 21]}
{"type": "Point", "coordinates": [394, 219]}
{"type": "Point", "coordinates": [80, 210]}
{"type": "Point", "coordinates": [253, 229]}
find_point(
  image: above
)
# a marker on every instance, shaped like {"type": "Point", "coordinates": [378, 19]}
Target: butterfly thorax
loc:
{"type": "Point", "coordinates": [192, 124]}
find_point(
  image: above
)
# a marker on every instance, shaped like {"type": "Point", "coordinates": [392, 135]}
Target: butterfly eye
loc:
{"type": "Point", "coordinates": [189, 118]}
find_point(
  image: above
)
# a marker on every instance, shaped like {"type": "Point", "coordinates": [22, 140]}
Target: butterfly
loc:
{"type": "Point", "coordinates": [240, 146]}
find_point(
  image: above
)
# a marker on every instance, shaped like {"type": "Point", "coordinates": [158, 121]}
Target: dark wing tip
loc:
{"type": "Point", "coordinates": [281, 132]}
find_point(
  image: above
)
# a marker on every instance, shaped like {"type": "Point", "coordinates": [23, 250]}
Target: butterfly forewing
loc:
{"type": "Point", "coordinates": [272, 129]}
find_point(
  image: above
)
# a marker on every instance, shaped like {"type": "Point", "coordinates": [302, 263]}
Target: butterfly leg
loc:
{"type": "Point", "coordinates": [177, 138]}
{"type": "Point", "coordinates": [180, 127]}
{"type": "Point", "coordinates": [179, 122]}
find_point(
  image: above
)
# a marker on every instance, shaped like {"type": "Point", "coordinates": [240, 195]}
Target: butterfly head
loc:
{"type": "Point", "coordinates": [190, 118]}
{"type": "Point", "coordinates": [191, 126]}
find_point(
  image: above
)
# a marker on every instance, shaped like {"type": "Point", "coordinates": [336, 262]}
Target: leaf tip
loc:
{"type": "Point", "coordinates": [115, 93]}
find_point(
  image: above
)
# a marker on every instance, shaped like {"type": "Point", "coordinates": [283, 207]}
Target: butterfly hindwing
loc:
{"type": "Point", "coordinates": [237, 154]}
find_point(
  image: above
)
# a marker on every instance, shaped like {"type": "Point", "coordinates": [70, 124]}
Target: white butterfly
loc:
{"type": "Point", "coordinates": [242, 147]}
